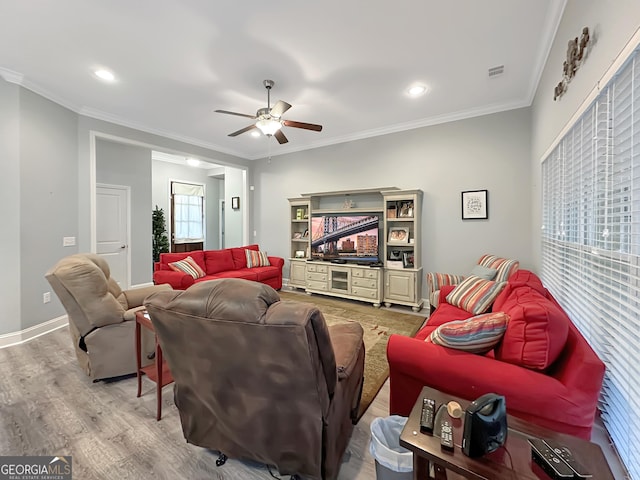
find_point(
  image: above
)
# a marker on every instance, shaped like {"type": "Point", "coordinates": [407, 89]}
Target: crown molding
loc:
{"type": "Point", "coordinates": [401, 127]}
{"type": "Point", "coordinates": [552, 23]}
{"type": "Point", "coordinates": [107, 117]}
{"type": "Point", "coordinates": [11, 76]}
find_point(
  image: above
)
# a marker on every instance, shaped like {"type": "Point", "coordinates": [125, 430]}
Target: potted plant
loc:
{"type": "Point", "coordinates": [160, 239]}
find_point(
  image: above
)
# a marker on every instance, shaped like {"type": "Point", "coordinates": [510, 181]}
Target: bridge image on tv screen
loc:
{"type": "Point", "coordinates": [351, 238]}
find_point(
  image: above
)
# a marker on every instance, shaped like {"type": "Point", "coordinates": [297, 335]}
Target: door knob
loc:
{"type": "Point", "coordinates": [123, 246]}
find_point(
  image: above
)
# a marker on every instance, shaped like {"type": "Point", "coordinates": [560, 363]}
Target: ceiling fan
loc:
{"type": "Point", "coordinates": [269, 120]}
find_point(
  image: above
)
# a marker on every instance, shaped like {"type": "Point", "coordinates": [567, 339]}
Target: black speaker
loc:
{"type": "Point", "coordinates": [485, 425]}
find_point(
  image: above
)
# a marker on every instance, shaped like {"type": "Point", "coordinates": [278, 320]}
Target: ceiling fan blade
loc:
{"type": "Point", "coordinates": [280, 137]}
{"type": "Point", "coordinates": [242, 130]}
{"type": "Point", "coordinates": [236, 113]}
{"type": "Point", "coordinates": [279, 108]}
{"type": "Point", "coordinates": [306, 126]}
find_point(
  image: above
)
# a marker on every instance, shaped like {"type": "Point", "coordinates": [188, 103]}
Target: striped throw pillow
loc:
{"type": "Point", "coordinates": [256, 258]}
{"type": "Point", "coordinates": [475, 295]}
{"type": "Point", "coordinates": [187, 265]}
{"type": "Point", "coordinates": [479, 334]}
{"type": "Point", "coordinates": [505, 267]}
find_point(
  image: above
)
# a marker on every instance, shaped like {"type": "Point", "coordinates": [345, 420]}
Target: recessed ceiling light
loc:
{"type": "Point", "coordinates": [255, 134]}
{"type": "Point", "coordinates": [416, 90]}
{"type": "Point", "coordinates": [193, 162]}
{"type": "Point", "coordinates": [105, 75]}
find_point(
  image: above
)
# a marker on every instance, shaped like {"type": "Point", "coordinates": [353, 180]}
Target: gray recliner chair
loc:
{"type": "Point", "coordinates": [101, 315]}
{"type": "Point", "coordinates": [258, 378]}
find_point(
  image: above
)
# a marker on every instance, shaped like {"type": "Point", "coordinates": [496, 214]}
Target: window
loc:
{"type": "Point", "coordinates": [188, 212]}
{"type": "Point", "coordinates": [591, 245]}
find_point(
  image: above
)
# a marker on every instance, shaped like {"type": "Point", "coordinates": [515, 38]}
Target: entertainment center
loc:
{"type": "Point", "coordinates": [358, 244]}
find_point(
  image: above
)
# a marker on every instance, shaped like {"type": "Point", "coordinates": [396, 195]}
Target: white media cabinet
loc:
{"type": "Point", "coordinates": [397, 280]}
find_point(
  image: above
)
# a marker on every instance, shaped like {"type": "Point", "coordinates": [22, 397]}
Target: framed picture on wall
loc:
{"type": "Point", "coordinates": [235, 203]}
{"type": "Point", "coordinates": [475, 205]}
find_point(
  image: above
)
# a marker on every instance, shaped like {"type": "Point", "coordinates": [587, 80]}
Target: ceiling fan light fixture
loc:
{"type": "Point", "coordinates": [268, 126]}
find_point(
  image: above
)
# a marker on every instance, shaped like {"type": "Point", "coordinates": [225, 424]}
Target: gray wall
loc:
{"type": "Point", "coordinates": [165, 172]}
{"type": "Point", "coordinates": [45, 186]}
{"type": "Point", "coordinates": [490, 152]}
{"type": "Point", "coordinates": [10, 207]}
{"type": "Point", "coordinates": [233, 219]}
{"type": "Point", "coordinates": [48, 198]}
{"type": "Point", "coordinates": [130, 165]}
{"type": "Point", "coordinates": [612, 23]}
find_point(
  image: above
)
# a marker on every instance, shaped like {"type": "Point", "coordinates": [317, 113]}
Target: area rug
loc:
{"type": "Point", "coordinates": [378, 325]}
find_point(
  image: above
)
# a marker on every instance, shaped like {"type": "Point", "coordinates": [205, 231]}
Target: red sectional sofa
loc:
{"type": "Point", "coordinates": [226, 263]}
{"type": "Point", "coordinates": [543, 366]}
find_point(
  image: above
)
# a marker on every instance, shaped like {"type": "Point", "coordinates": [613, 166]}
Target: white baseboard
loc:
{"type": "Point", "coordinates": [16, 338]}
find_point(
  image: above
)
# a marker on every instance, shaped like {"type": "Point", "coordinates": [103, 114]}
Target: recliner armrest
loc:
{"type": "Point", "coordinates": [134, 297]}
{"type": "Point", "coordinates": [347, 340]}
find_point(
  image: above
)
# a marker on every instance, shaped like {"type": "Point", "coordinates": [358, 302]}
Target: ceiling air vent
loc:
{"type": "Point", "coordinates": [495, 71]}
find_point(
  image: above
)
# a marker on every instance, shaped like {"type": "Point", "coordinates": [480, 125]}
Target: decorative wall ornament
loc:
{"type": "Point", "coordinates": [577, 52]}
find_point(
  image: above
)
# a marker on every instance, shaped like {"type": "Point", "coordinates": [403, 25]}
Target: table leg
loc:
{"type": "Point", "coordinates": [420, 467]}
{"type": "Point", "coordinates": [138, 359]}
{"type": "Point", "coordinates": [159, 383]}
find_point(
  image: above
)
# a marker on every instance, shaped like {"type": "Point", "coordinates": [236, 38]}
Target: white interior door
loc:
{"type": "Point", "coordinates": [112, 230]}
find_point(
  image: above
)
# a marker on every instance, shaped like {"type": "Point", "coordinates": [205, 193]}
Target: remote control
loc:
{"type": "Point", "coordinates": [565, 454]}
{"type": "Point", "coordinates": [548, 460]}
{"type": "Point", "coordinates": [427, 415]}
{"type": "Point", "coordinates": [446, 435]}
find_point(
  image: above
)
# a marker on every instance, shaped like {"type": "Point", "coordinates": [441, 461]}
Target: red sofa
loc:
{"type": "Point", "coordinates": [226, 263]}
{"type": "Point", "coordinates": [543, 366]}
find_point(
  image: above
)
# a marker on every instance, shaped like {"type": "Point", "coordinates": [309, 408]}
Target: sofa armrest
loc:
{"type": "Point", "coordinates": [435, 281]}
{"type": "Point", "coordinates": [276, 261]}
{"type": "Point", "coordinates": [468, 376]}
{"type": "Point", "coordinates": [136, 296]}
{"type": "Point", "coordinates": [177, 280]}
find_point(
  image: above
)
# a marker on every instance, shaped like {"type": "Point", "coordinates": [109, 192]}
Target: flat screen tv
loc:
{"type": "Point", "coordinates": [343, 237]}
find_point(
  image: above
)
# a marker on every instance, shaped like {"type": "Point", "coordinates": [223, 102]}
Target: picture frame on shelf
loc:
{"type": "Point", "coordinates": [394, 264]}
{"type": "Point", "coordinates": [475, 205]}
{"type": "Point", "coordinates": [395, 255]}
{"type": "Point", "coordinates": [235, 203]}
{"type": "Point", "coordinates": [406, 210]}
{"type": "Point", "coordinates": [305, 234]}
{"type": "Point", "coordinates": [398, 235]}
{"type": "Point", "coordinates": [392, 211]}
{"type": "Point", "coordinates": [407, 259]}
{"type": "Point", "coordinates": [299, 254]}
{"type": "Point", "coordinates": [300, 214]}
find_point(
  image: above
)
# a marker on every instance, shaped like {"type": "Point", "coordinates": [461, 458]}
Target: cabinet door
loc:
{"type": "Point", "coordinates": [298, 273]}
{"type": "Point", "coordinates": [400, 285]}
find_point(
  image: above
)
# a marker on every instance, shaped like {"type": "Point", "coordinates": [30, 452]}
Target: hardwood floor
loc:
{"type": "Point", "coordinates": [48, 406]}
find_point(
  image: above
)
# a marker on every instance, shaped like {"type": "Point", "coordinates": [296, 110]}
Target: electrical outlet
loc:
{"type": "Point", "coordinates": [68, 241]}
{"type": "Point", "coordinates": [46, 297]}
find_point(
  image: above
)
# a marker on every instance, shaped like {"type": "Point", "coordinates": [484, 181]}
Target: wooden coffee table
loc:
{"type": "Point", "coordinates": [513, 460]}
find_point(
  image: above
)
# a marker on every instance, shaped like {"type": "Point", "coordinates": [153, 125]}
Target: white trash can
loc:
{"type": "Point", "coordinates": [393, 462]}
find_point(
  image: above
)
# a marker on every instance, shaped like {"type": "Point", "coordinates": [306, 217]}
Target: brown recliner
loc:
{"type": "Point", "coordinates": [258, 378]}
{"type": "Point", "coordinates": [101, 315]}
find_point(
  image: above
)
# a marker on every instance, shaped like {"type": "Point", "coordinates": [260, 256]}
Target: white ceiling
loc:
{"type": "Point", "coordinates": [343, 64]}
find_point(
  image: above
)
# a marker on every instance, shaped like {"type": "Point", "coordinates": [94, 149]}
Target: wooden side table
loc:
{"type": "Point", "coordinates": [513, 460]}
{"type": "Point", "coordinates": [158, 371]}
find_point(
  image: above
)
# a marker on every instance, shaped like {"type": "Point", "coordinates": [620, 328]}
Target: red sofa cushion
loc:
{"type": "Point", "coordinates": [239, 257]}
{"type": "Point", "coordinates": [218, 261]}
{"type": "Point", "coordinates": [197, 255]}
{"type": "Point", "coordinates": [537, 330]}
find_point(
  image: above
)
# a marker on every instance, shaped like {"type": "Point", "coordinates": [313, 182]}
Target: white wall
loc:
{"type": "Point", "coordinates": [612, 23]}
{"type": "Point", "coordinates": [490, 152]}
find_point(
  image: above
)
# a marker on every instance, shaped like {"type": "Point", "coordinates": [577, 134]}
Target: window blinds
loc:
{"type": "Point", "coordinates": [591, 245]}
